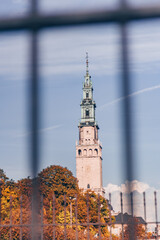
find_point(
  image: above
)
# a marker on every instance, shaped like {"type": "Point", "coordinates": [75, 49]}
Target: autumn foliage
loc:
{"type": "Point", "coordinates": [135, 229]}
{"type": "Point", "coordinates": [60, 202]}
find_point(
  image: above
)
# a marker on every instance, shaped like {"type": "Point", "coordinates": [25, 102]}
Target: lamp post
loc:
{"type": "Point", "coordinates": [71, 215]}
{"type": "Point", "coordinates": [70, 210]}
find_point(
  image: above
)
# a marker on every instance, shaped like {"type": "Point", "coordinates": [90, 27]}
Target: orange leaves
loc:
{"type": "Point", "coordinates": [57, 180]}
{"type": "Point", "coordinates": [61, 202]}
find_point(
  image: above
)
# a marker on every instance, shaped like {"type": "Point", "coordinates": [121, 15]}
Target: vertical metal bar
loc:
{"type": "Point", "coordinates": [35, 205]}
{"type": "Point", "coordinates": [34, 122]}
{"type": "Point", "coordinates": [0, 206]}
{"type": "Point", "coordinates": [34, 7]}
{"type": "Point", "coordinates": [132, 223]}
{"type": "Point", "coordinates": [99, 217]}
{"type": "Point", "coordinates": [156, 216]}
{"type": "Point", "coordinates": [65, 229]}
{"type": "Point", "coordinates": [88, 235]}
{"type": "Point", "coordinates": [71, 212]}
{"type": "Point", "coordinates": [126, 106]}
{"type": "Point", "coordinates": [121, 199]}
{"type": "Point", "coordinates": [76, 215]}
{"type": "Point", "coordinates": [34, 101]}
{"type": "Point", "coordinates": [41, 217]}
{"type": "Point", "coordinates": [145, 216]}
{"type": "Point", "coordinates": [127, 119]}
{"type": "Point", "coordinates": [21, 222]}
{"type": "Point", "coordinates": [54, 217]}
{"type": "Point", "coordinates": [10, 229]}
{"type": "Point", "coordinates": [131, 195]}
{"type": "Point", "coordinates": [110, 218]}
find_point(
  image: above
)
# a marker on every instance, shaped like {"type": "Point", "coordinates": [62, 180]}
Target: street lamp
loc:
{"type": "Point", "coordinates": [71, 215]}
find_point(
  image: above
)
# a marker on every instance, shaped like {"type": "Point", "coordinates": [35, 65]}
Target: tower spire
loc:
{"type": "Point", "coordinates": [88, 105]}
{"type": "Point", "coordinates": [87, 69]}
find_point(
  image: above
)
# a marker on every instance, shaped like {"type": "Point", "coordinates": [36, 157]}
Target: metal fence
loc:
{"type": "Point", "coordinates": [66, 223]}
{"type": "Point", "coordinates": [34, 22]}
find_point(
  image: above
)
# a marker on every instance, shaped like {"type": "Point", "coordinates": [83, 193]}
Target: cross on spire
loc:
{"type": "Point", "coordinates": [87, 70]}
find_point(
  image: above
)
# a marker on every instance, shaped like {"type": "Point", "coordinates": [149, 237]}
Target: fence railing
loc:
{"type": "Point", "coordinates": [88, 216]}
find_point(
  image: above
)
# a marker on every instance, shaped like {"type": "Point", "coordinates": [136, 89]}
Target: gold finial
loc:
{"type": "Point", "coordinates": [87, 70]}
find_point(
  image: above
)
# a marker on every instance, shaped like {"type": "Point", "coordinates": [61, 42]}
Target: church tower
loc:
{"type": "Point", "coordinates": [88, 148]}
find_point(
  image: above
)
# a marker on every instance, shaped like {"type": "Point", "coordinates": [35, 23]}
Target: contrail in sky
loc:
{"type": "Point", "coordinates": [130, 95]}
{"type": "Point", "coordinates": [42, 130]}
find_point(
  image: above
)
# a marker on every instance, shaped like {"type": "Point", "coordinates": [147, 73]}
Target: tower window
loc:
{"type": "Point", "coordinates": [87, 95]}
{"type": "Point", "coordinates": [79, 152]}
{"type": "Point", "coordinates": [88, 185]}
{"type": "Point", "coordinates": [96, 151]}
{"type": "Point", "coordinates": [85, 152]}
{"type": "Point", "coordinates": [87, 113]}
{"type": "Point", "coordinates": [90, 152]}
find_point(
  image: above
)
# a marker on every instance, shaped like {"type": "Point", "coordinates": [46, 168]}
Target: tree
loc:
{"type": "Point", "coordinates": [135, 227]}
{"type": "Point", "coordinates": [59, 196]}
{"type": "Point", "coordinates": [3, 176]}
{"type": "Point", "coordinates": [57, 180]}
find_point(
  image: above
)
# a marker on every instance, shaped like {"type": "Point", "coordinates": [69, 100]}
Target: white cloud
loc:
{"type": "Point", "coordinates": [134, 185]}
{"type": "Point", "coordinates": [138, 205]}
{"type": "Point", "coordinates": [112, 188]}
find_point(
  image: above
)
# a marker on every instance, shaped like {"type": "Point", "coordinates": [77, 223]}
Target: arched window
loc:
{"type": "Point", "coordinates": [96, 151]}
{"type": "Point", "coordinates": [87, 94]}
{"type": "Point", "coordinates": [79, 151]}
{"type": "Point", "coordinates": [88, 185]}
{"type": "Point", "coordinates": [87, 113]}
{"type": "Point", "coordinates": [90, 152]}
{"type": "Point", "coordinates": [85, 152]}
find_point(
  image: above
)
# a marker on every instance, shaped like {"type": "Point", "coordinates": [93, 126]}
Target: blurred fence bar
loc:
{"type": "Point", "coordinates": [34, 120]}
{"type": "Point", "coordinates": [41, 21]}
{"type": "Point", "coordinates": [121, 201]}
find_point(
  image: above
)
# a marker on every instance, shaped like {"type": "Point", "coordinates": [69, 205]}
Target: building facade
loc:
{"type": "Point", "coordinates": [89, 148]}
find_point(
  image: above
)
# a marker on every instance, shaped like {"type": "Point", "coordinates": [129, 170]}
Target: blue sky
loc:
{"type": "Point", "coordinates": [62, 70]}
